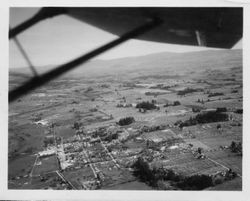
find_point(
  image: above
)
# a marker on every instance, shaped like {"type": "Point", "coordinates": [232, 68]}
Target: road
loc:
{"type": "Point", "coordinates": [222, 165]}
{"type": "Point", "coordinates": [37, 109]}
{"type": "Point", "coordinates": [65, 180]}
{"type": "Point", "coordinates": [90, 163]}
{"type": "Point", "coordinates": [110, 155]}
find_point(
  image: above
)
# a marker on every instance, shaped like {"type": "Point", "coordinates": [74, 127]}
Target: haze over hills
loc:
{"type": "Point", "coordinates": [159, 62]}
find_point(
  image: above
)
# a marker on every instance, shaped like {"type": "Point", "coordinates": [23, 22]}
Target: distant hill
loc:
{"type": "Point", "coordinates": [153, 63]}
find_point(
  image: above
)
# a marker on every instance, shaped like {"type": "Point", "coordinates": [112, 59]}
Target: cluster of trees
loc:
{"type": "Point", "coordinates": [93, 109]}
{"type": "Point", "coordinates": [146, 105]}
{"type": "Point", "coordinates": [48, 141]}
{"type": "Point", "coordinates": [37, 117]}
{"type": "Point", "coordinates": [89, 89]}
{"type": "Point", "coordinates": [143, 171]}
{"type": "Point", "coordinates": [162, 86]}
{"type": "Point", "coordinates": [221, 109]}
{"type": "Point", "coordinates": [187, 91]}
{"type": "Point", "coordinates": [124, 105]}
{"type": "Point", "coordinates": [200, 101]}
{"type": "Point", "coordinates": [110, 137]}
{"type": "Point", "coordinates": [175, 103]}
{"type": "Point", "coordinates": [75, 102]}
{"type": "Point", "coordinates": [77, 125]}
{"type": "Point", "coordinates": [212, 116]}
{"type": "Point", "coordinates": [215, 94]}
{"type": "Point", "coordinates": [236, 147]}
{"type": "Point", "coordinates": [152, 128]}
{"type": "Point", "coordinates": [239, 111]}
{"type": "Point", "coordinates": [126, 121]}
{"type": "Point", "coordinates": [105, 85]}
{"type": "Point", "coordinates": [156, 176]}
{"type": "Point", "coordinates": [208, 117]}
{"type": "Point", "coordinates": [194, 109]}
{"type": "Point", "coordinates": [195, 182]}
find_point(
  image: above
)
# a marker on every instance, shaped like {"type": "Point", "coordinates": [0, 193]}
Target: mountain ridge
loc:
{"type": "Point", "coordinates": [155, 61]}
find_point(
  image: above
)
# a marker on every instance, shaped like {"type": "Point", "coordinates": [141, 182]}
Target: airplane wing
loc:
{"type": "Point", "coordinates": [220, 27]}
{"type": "Point", "coordinates": [209, 27]}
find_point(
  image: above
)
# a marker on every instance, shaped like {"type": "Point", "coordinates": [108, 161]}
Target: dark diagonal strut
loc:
{"type": "Point", "coordinates": [25, 56]}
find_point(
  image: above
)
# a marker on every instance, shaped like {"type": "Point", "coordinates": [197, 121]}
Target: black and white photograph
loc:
{"type": "Point", "coordinates": [125, 98]}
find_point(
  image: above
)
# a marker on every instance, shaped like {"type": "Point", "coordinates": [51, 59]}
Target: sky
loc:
{"type": "Point", "coordinates": [60, 39]}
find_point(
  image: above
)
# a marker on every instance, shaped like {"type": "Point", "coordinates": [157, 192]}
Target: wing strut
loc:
{"type": "Point", "coordinates": [35, 82]}
{"type": "Point", "coordinates": [20, 47]}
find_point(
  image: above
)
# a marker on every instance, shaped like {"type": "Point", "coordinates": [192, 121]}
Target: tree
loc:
{"type": "Point", "coordinates": [153, 101]}
{"type": "Point", "coordinates": [239, 111]}
{"type": "Point", "coordinates": [218, 126]}
{"type": "Point", "coordinates": [215, 94]}
{"type": "Point", "coordinates": [233, 146]}
{"type": "Point", "coordinates": [176, 103]}
{"type": "Point", "coordinates": [77, 125]}
{"type": "Point", "coordinates": [239, 147]}
{"type": "Point", "coordinates": [199, 150]}
{"type": "Point", "coordinates": [142, 170]}
{"type": "Point", "coordinates": [221, 109]}
{"type": "Point", "coordinates": [194, 109]}
{"type": "Point", "coordinates": [236, 147]}
{"type": "Point", "coordinates": [196, 182]}
{"type": "Point", "coordinates": [146, 105]}
{"type": "Point", "coordinates": [126, 121]}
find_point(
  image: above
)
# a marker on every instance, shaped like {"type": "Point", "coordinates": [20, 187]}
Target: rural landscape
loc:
{"type": "Point", "coordinates": [164, 121]}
